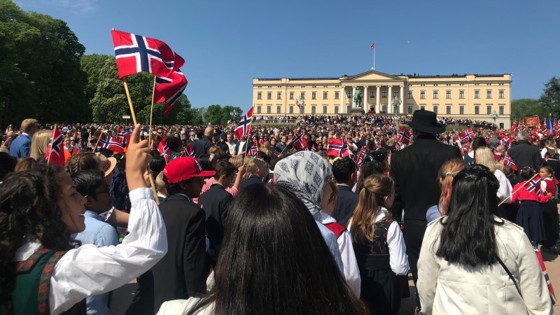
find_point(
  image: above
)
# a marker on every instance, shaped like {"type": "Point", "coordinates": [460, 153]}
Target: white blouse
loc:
{"type": "Point", "coordinates": [88, 270]}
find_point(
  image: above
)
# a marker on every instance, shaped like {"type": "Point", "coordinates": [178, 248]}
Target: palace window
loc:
{"type": "Point", "coordinates": [258, 109]}
{"type": "Point", "coordinates": [324, 109]}
{"type": "Point", "coordinates": [384, 109]}
{"type": "Point", "coordinates": [349, 94]}
{"type": "Point", "coordinates": [384, 94]}
{"type": "Point", "coordinates": [269, 109]}
{"type": "Point", "coordinates": [476, 93]}
{"type": "Point", "coordinates": [461, 94]}
{"type": "Point", "coordinates": [488, 109]}
{"type": "Point", "coordinates": [259, 95]}
{"type": "Point", "coordinates": [302, 95]}
{"type": "Point", "coordinates": [501, 94]}
{"type": "Point", "coordinates": [336, 95]}
{"type": "Point", "coordinates": [501, 110]}
{"type": "Point", "coordinates": [462, 110]}
{"type": "Point", "coordinates": [409, 95]}
{"type": "Point", "coordinates": [422, 95]}
{"type": "Point", "coordinates": [477, 109]}
{"type": "Point", "coordinates": [336, 109]}
{"type": "Point", "coordinates": [371, 94]}
{"type": "Point", "coordinates": [268, 95]}
{"type": "Point", "coordinates": [395, 94]}
{"type": "Point", "coordinates": [278, 109]}
{"type": "Point", "coordinates": [291, 95]}
{"type": "Point", "coordinates": [409, 109]}
{"type": "Point", "coordinates": [279, 95]}
{"type": "Point", "coordinates": [313, 95]}
{"type": "Point", "coordinates": [448, 94]}
{"type": "Point", "coordinates": [291, 109]}
{"type": "Point", "coordinates": [435, 94]}
{"type": "Point", "coordinates": [422, 106]}
{"type": "Point", "coordinates": [313, 109]}
{"type": "Point", "coordinates": [488, 93]}
{"type": "Point", "coordinates": [301, 110]}
{"type": "Point", "coordinates": [325, 95]}
{"type": "Point", "coordinates": [448, 109]}
{"type": "Point", "coordinates": [436, 107]}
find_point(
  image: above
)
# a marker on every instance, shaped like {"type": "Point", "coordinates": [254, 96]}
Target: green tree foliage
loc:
{"type": "Point", "coordinates": [40, 72]}
{"type": "Point", "coordinates": [526, 107]}
{"type": "Point", "coordinates": [550, 99]}
{"type": "Point", "coordinates": [217, 115]}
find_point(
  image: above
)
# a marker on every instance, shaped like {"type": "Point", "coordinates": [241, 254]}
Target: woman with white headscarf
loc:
{"type": "Point", "coordinates": [308, 175]}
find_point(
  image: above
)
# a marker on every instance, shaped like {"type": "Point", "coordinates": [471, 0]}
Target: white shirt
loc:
{"type": "Point", "coordinates": [350, 267]}
{"type": "Point", "coordinates": [397, 248]}
{"type": "Point", "coordinates": [88, 270]}
{"type": "Point", "coordinates": [505, 189]}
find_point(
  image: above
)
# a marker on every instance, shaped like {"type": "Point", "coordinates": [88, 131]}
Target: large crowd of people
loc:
{"type": "Point", "coordinates": [278, 221]}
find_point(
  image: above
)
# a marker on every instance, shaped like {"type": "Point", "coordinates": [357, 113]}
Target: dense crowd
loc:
{"type": "Point", "coordinates": [274, 222]}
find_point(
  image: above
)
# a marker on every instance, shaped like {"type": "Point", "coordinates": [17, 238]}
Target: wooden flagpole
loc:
{"type": "Point", "coordinates": [129, 102]}
{"type": "Point", "coordinates": [509, 197]}
{"type": "Point", "coordinates": [248, 132]}
{"type": "Point", "coordinates": [52, 141]}
{"type": "Point", "coordinates": [151, 114]}
{"type": "Point", "coordinates": [97, 142]}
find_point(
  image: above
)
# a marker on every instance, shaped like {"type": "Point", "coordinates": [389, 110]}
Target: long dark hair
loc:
{"type": "Point", "coordinates": [468, 235]}
{"type": "Point", "coordinates": [29, 211]}
{"type": "Point", "coordinates": [275, 261]}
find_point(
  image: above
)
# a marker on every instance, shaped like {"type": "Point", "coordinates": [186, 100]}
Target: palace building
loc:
{"type": "Point", "coordinates": [468, 96]}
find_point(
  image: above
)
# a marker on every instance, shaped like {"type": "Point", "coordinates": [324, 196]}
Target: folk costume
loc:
{"type": "Point", "coordinates": [529, 215]}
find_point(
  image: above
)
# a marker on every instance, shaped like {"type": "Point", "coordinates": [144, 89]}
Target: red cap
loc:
{"type": "Point", "coordinates": [184, 168]}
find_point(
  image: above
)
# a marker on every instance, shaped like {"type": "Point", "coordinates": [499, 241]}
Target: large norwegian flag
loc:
{"type": "Point", "coordinates": [299, 141]}
{"type": "Point", "coordinates": [116, 144]}
{"type": "Point", "coordinates": [337, 148]}
{"type": "Point", "coordinates": [244, 125]}
{"type": "Point", "coordinates": [169, 88]}
{"type": "Point", "coordinates": [136, 53]}
{"type": "Point", "coordinates": [403, 136]}
{"type": "Point", "coordinates": [55, 150]}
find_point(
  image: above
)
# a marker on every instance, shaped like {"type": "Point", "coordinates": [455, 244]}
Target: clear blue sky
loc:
{"type": "Point", "coordinates": [227, 43]}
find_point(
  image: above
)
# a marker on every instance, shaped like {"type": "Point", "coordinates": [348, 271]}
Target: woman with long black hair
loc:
{"type": "Point", "coordinates": [473, 262]}
{"type": "Point", "coordinates": [273, 261]}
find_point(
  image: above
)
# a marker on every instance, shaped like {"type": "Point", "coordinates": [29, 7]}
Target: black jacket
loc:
{"type": "Point", "coordinates": [201, 146]}
{"type": "Point", "coordinates": [345, 204]}
{"type": "Point", "coordinates": [524, 154]}
{"type": "Point", "coordinates": [215, 202]}
{"type": "Point", "coordinates": [415, 170]}
{"type": "Point", "coordinates": [183, 270]}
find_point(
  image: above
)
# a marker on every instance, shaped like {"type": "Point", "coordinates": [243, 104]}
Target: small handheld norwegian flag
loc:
{"type": "Point", "coordinates": [244, 125]}
{"type": "Point", "coordinates": [55, 150]}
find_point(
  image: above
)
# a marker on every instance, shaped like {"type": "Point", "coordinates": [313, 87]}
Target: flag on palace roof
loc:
{"type": "Point", "coordinates": [244, 125]}
{"type": "Point", "coordinates": [137, 53]}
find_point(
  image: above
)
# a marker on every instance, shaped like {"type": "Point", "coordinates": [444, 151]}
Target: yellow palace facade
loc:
{"type": "Point", "coordinates": [468, 96]}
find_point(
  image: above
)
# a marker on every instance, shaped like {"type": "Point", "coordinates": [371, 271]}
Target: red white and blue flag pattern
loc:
{"type": "Point", "coordinates": [55, 150]}
{"type": "Point", "coordinates": [299, 141]}
{"type": "Point", "coordinates": [169, 88]}
{"type": "Point", "coordinates": [337, 148]}
{"type": "Point", "coordinates": [136, 53]}
{"type": "Point", "coordinates": [244, 125]}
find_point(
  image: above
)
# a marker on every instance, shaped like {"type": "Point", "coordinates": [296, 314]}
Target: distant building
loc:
{"type": "Point", "coordinates": [472, 96]}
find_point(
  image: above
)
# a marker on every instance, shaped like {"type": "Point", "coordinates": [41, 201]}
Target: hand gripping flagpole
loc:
{"type": "Point", "coordinates": [525, 183]}
{"type": "Point", "coordinates": [152, 113]}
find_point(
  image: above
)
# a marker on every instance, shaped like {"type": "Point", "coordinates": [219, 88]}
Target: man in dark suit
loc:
{"type": "Point", "coordinates": [202, 145]}
{"type": "Point", "coordinates": [216, 202]}
{"type": "Point", "coordinates": [183, 270]}
{"type": "Point", "coordinates": [415, 170]}
{"type": "Point", "coordinates": [21, 146]}
{"type": "Point", "coordinates": [344, 172]}
{"type": "Point", "coordinates": [524, 154]}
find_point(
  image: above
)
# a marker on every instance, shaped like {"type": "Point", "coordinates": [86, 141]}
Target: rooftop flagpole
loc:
{"type": "Point", "coordinates": [372, 47]}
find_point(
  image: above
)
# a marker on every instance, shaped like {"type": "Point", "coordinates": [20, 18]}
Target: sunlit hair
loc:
{"type": "Point", "coordinates": [39, 143]}
{"type": "Point", "coordinates": [25, 164]}
{"type": "Point", "coordinates": [275, 261]}
{"type": "Point", "coordinates": [82, 161]}
{"type": "Point", "coordinates": [446, 174]}
{"type": "Point", "coordinates": [484, 156]}
{"type": "Point", "coordinates": [468, 237]}
{"type": "Point", "coordinates": [372, 198]}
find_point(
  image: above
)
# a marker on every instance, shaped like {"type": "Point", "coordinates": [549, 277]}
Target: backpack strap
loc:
{"type": "Point", "coordinates": [336, 228]}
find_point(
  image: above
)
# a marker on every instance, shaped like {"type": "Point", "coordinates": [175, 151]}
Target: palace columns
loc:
{"type": "Point", "coordinates": [401, 105]}
{"type": "Point", "coordinates": [390, 100]}
{"type": "Point", "coordinates": [377, 97]}
{"type": "Point", "coordinates": [365, 101]}
{"type": "Point", "coordinates": [342, 101]}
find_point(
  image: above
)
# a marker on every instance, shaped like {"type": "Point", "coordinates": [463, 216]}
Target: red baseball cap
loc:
{"type": "Point", "coordinates": [184, 168]}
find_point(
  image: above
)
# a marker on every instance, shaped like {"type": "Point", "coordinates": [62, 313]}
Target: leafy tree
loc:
{"type": "Point", "coordinates": [522, 108]}
{"type": "Point", "coordinates": [40, 72]}
{"type": "Point", "coordinates": [213, 114]}
{"type": "Point", "coordinates": [550, 99]}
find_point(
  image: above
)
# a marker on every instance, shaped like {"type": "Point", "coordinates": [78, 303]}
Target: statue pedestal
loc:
{"type": "Point", "coordinates": [356, 111]}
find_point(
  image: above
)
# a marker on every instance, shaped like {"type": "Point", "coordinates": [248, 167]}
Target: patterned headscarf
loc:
{"type": "Point", "coordinates": [304, 173]}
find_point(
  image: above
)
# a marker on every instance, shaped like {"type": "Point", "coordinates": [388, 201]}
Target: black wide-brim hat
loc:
{"type": "Point", "coordinates": [425, 121]}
